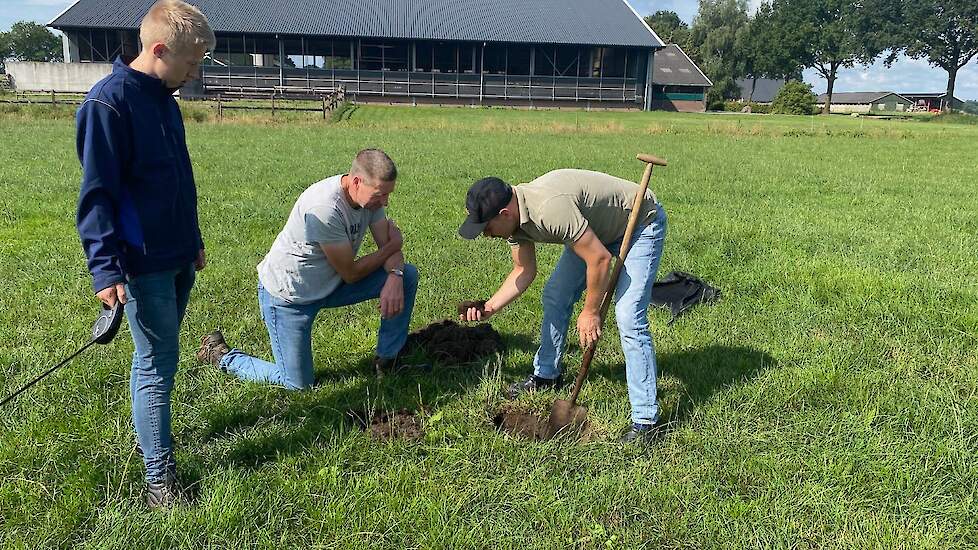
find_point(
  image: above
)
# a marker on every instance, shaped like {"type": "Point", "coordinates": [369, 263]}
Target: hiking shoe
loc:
{"type": "Point", "coordinates": [213, 348]}
{"type": "Point", "coordinates": [533, 384]}
{"type": "Point", "coordinates": [642, 434]}
{"type": "Point", "coordinates": [163, 494]}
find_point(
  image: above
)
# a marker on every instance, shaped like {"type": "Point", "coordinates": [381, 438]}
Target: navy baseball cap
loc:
{"type": "Point", "coordinates": [485, 199]}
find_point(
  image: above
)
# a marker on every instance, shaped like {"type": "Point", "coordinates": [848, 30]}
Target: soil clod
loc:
{"type": "Point", "coordinates": [530, 425]}
{"type": "Point", "coordinates": [525, 425]}
{"type": "Point", "coordinates": [451, 343]}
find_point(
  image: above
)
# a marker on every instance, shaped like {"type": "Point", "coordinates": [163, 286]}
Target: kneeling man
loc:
{"type": "Point", "coordinates": [587, 212]}
{"type": "Point", "coordinates": [312, 265]}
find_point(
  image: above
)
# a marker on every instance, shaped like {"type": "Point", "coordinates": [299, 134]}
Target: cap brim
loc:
{"type": "Point", "coordinates": [471, 229]}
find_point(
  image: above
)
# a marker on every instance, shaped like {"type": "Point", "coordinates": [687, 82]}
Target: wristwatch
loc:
{"type": "Point", "coordinates": [397, 271]}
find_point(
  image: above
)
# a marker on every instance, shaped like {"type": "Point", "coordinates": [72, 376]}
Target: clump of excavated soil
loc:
{"type": "Point", "coordinates": [451, 343]}
{"type": "Point", "coordinates": [530, 425]}
{"type": "Point", "coordinates": [383, 426]}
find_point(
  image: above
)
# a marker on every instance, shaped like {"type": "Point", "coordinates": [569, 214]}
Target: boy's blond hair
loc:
{"type": "Point", "coordinates": [182, 28]}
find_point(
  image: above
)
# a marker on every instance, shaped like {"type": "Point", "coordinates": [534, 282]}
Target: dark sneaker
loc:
{"type": "Point", "coordinates": [163, 494]}
{"type": "Point", "coordinates": [213, 348]}
{"type": "Point", "coordinates": [642, 434]}
{"type": "Point", "coordinates": [533, 384]}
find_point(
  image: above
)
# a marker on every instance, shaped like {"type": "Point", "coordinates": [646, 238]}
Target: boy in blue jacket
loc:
{"type": "Point", "coordinates": [137, 215]}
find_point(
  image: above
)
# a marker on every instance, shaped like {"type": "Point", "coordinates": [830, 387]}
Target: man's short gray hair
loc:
{"type": "Point", "coordinates": [375, 165]}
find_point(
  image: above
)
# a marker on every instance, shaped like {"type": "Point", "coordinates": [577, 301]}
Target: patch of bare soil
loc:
{"type": "Point", "coordinates": [384, 426]}
{"type": "Point", "coordinates": [530, 425]}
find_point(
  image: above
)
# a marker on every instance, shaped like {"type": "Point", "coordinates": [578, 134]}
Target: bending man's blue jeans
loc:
{"type": "Point", "coordinates": [632, 297]}
{"type": "Point", "coordinates": [155, 304]}
{"type": "Point", "coordinates": [290, 331]}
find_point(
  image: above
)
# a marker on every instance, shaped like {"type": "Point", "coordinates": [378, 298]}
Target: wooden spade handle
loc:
{"type": "Point", "coordinates": [651, 159]}
{"type": "Point", "coordinates": [609, 290]}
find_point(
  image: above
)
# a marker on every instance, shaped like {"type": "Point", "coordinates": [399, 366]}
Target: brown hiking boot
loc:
{"type": "Point", "coordinates": [213, 348]}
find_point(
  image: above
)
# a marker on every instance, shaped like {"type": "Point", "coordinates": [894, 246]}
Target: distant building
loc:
{"type": "Point", "coordinates": [514, 52]}
{"type": "Point", "coordinates": [866, 102]}
{"type": "Point", "coordinates": [765, 89]}
{"type": "Point", "coordinates": [934, 100]}
{"type": "Point", "coordinates": [677, 83]}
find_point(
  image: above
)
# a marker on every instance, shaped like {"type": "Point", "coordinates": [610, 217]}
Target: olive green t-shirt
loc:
{"type": "Point", "coordinates": [559, 206]}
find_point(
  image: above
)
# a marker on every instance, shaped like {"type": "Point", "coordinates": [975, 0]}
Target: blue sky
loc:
{"type": "Point", "coordinates": [907, 75]}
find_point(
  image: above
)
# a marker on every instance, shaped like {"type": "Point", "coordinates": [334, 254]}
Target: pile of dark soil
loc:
{"type": "Point", "coordinates": [382, 426]}
{"type": "Point", "coordinates": [451, 343]}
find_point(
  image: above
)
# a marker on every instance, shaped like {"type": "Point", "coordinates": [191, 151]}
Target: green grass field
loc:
{"type": "Point", "coordinates": [827, 401]}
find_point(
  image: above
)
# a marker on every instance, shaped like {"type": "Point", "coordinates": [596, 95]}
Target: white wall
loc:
{"type": "Point", "coordinates": [847, 108]}
{"type": "Point", "coordinates": [61, 77]}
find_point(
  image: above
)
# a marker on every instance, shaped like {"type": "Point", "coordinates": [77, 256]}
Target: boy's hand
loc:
{"type": "Point", "coordinates": [112, 294]}
{"type": "Point", "coordinates": [199, 263]}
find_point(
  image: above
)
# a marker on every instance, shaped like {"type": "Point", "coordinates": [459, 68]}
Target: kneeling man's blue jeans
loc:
{"type": "Point", "coordinates": [290, 330]}
{"type": "Point", "coordinates": [632, 297]}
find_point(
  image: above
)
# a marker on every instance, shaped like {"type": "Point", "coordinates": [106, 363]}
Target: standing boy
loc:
{"type": "Point", "coordinates": [137, 215]}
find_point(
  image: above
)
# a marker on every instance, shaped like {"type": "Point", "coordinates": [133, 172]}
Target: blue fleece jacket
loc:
{"type": "Point", "coordinates": [137, 208]}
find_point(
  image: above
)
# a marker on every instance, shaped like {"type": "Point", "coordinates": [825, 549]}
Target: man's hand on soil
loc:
{"type": "Point", "coordinates": [391, 297]}
{"type": "Point", "coordinates": [588, 328]}
{"type": "Point", "coordinates": [473, 311]}
{"type": "Point", "coordinates": [201, 261]}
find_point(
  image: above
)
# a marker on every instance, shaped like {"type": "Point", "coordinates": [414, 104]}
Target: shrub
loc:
{"type": "Point", "coordinates": [714, 100]}
{"type": "Point", "coordinates": [738, 106]}
{"type": "Point", "coordinates": [795, 98]}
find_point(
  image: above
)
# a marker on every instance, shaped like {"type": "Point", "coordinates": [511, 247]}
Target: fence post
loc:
{"type": "Point", "coordinates": [54, 100]}
{"type": "Point", "coordinates": [220, 108]}
{"type": "Point", "coordinates": [324, 107]}
{"type": "Point", "coordinates": [273, 104]}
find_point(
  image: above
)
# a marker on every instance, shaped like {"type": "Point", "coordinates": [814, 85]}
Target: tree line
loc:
{"type": "Point", "coordinates": [28, 41]}
{"type": "Point", "coordinates": [784, 37]}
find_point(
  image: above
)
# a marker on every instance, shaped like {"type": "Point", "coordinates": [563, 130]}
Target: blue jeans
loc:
{"type": "Point", "coordinates": [632, 297]}
{"type": "Point", "coordinates": [290, 331]}
{"type": "Point", "coordinates": [154, 307]}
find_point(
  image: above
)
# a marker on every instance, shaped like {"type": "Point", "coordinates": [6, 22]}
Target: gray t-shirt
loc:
{"type": "Point", "coordinates": [295, 268]}
{"type": "Point", "coordinates": [559, 206]}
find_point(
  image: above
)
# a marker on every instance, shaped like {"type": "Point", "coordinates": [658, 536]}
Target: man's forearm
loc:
{"type": "Point", "coordinates": [512, 288]}
{"type": "Point", "coordinates": [597, 280]}
{"type": "Point", "coordinates": [395, 260]}
{"type": "Point", "coordinates": [371, 262]}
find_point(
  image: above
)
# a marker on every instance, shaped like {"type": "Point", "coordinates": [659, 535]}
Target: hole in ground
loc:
{"type": "Point", "coordinates": [384, 426]}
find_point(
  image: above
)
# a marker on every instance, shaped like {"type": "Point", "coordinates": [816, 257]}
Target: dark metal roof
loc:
{"type": "Point", "coordinates": [764, 92]}
{"type": "Point", "coordinates": [859, 98]}
{"type": "Point", "coordinates": [594, 22]}
{"type": "Point", "coordinates": [674, 68]}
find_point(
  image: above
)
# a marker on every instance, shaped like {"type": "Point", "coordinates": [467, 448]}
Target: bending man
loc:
{"type": "Point", "coordinates": [586, 212]}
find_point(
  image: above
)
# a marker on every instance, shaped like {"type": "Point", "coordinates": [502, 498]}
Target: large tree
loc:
{"type": "Point", "coordinates": [27, 41]}
{"type": "Point", "coordinates": [945, 32]}
{"type": "Point", "coordinates": [714, 39]}
{"type": "Point", "coordinates": [670, 28]}
{"type": "Point", "coordinates": [840, 33]}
